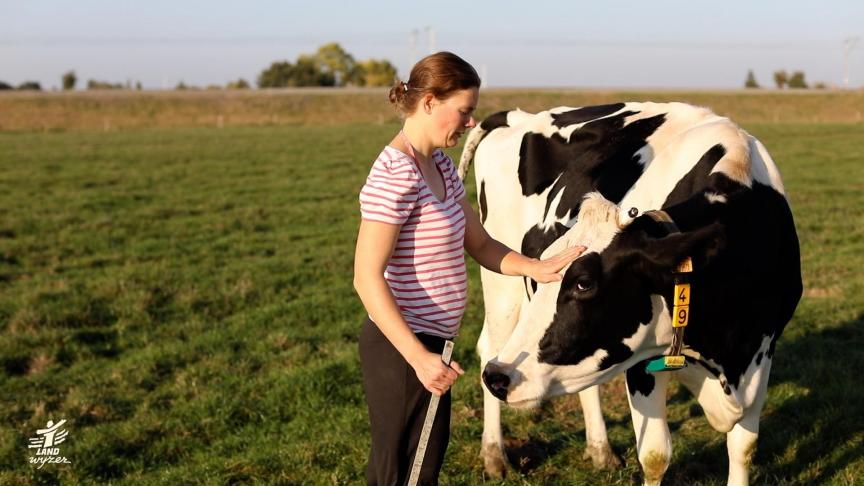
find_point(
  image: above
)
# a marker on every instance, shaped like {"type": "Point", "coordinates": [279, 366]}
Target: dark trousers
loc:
{"type": "Point", "coordinates": [397, 408]}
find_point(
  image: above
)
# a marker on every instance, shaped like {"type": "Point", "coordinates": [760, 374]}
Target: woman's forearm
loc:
{"type": "Point", "coordinates": [496, 256]}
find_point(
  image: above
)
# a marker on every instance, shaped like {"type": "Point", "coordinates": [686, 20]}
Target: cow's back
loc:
{"type": "Point", "coordinates": [533, 170]}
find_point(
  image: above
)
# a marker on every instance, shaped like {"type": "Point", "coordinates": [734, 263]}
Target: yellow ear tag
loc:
{"type": "Point", "coordinates": [680, 315]}
{"type": "Point", "coordinates": [682, 294]}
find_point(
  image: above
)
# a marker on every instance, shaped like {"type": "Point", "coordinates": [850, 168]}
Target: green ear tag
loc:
{"type": "Point", "coordinates": [665, 363]}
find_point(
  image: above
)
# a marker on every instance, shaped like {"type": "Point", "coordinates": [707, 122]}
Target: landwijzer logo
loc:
{"type": "Point", "coordinates": [46, 444]}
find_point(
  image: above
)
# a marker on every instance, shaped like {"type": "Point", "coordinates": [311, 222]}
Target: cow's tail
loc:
{"type": "Point", "coordinates": [474, 137]}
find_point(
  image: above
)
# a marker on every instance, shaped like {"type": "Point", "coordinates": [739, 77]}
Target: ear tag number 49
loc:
{"type": "Point", "coordinates": [681, 308]}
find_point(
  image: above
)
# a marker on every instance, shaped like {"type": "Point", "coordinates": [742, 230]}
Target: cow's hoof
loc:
{"type": "Point", "coordinates": [494, 461]}
{"type": "Point", "coordinates": [602, 456]}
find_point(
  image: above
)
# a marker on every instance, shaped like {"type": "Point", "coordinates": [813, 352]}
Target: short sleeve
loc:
{"type": "Point", "coordinates": [455, 181]}
{"type": "Point", "coordinates": [390, 192]}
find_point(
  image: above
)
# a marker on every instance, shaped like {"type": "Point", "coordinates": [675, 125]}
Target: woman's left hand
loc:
{"type": "Point", "coordinates": [545, 271]}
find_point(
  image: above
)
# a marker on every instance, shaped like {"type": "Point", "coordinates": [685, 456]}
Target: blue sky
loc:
{"type": "Point", "coordinates": [557, 43]}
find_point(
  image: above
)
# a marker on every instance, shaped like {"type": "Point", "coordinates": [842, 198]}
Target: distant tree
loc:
{"type": "Point", "coordinates": [797, 81]}
{"type": "Point", "coordinates": [4, 85]}
{"type": "Point", "coordinates": [375, 72]}
{"type": "Point", "coordinates": [181, 86]}
{"type": "Point", "coordinates": [307, 73]}
{"type": "Point", "coordinates": [333, 60]}
{"type": "Point", "coordinates": [138, 85]}
{"type": "Point", "coordinates": [30, 85]}
{"type": "Point", "coordinates": [239, 84]}
{"type": "Point", "coordinates": [331, 65]}
{"type": "Point", "coordinates": [276, 76]}
{"type": "Point", "coordinates": [820, 85]}
{"type": "Point", "coordinates": [69, 80]}
{"type": "Point", "coordinates": [356, 77]}
{"type": "Point", "coordinates": [781, 79]}
{"type": "Point", "coordinates": [94, 84]}
{"type": "Point", "coordinates": [751, 80]}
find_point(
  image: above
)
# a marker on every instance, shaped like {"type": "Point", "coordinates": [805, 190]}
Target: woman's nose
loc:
{"type": "Point", "coordinates": [471, 122]}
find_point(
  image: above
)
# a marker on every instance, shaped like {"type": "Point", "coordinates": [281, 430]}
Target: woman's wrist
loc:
{"type": "Point", "coordinates": [517, 264]}
{"type": "Point", "coordinates": [414, 352]}
{"type": "Point", "coordinates": [528, 264]}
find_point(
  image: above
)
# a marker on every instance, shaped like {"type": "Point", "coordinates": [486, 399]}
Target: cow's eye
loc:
{"type": "Point", "coordinates": [584, 285]}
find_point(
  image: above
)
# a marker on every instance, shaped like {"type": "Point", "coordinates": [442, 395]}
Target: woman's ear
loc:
{"type": "Point", "coordinates": [428, 101]}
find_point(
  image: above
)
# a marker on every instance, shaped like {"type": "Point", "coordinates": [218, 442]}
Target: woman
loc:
{"type": "Point", "coordinates": [409, 268]}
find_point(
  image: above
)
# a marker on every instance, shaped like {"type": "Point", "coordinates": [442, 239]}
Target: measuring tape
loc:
{"type": "Point", "coordinates": [427, 424]}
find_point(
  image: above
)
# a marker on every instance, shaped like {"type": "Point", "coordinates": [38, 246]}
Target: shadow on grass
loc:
{"type": "Point", "coordinates": [525, 455]}
{"type": "Point", "coordinates": [818, 425]}
{"type": "Point", "coordinates": [828, 365]}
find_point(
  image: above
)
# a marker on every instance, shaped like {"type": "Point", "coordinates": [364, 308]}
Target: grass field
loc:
{"type": "Point", "coordinates": [113, 110]}
{"type": "Point", "coordinates": [182, 296]}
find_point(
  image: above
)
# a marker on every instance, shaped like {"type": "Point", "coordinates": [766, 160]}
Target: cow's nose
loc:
{"type": "Point", "coordinates": [496, 381]}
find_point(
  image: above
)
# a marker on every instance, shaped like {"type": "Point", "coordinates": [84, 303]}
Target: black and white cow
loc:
{"type": "Point", "coordinates": [587, 176]}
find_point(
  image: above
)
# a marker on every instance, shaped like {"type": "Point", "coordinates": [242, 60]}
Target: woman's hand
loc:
{"type": "Point", "coordinates": [435, 376]}
{"type": "Point", "coordinates": [545, 271]}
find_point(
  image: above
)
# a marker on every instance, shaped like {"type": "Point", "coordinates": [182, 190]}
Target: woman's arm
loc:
{"type": "Point", "coordinates": [375, 244]}
{"type": "Point", "coordinates": [492, 254]}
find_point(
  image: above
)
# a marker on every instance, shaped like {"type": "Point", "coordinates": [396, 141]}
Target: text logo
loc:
{"type": "Point", "coordinates": [46, 444]}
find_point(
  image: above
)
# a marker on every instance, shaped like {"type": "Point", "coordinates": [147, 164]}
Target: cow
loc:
{"type": "Point", "coordinates": [644, 187]}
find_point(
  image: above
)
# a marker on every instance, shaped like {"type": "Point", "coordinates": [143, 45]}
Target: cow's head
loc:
{"type": "Point", "coordinates": [605, 315]}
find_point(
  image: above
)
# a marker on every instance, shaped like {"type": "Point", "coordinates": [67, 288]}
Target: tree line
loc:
{"type": "Point", "coordinates": [69, 80]}
{"type": "Point", "coordinates": [783, 79]}
{"type": "Point", "coordinates": [330, 65]}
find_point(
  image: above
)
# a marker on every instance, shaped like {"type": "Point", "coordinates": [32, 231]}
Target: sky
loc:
{"type": "Point", "coordinates": [600, 44]}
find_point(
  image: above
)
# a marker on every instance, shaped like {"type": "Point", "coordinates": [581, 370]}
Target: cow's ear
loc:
{"type": "Point", "coordinates": [701, 245]}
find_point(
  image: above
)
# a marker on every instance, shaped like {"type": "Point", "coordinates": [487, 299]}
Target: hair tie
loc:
{"type": "Point", "coordinates": [405, 86]}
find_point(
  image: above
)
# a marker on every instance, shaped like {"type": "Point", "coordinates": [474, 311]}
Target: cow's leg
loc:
{"type": "Point", "coordinates": [492, 445]}
{"type": "Point", "coordinates": [492, 450]}
{"type": "Point", "coordinates": [597, 446]}
{"type": "Point", "coordinates": [741, 440]}
{"type": "Point", "coordinates": [717, 399]}
{"type": "Point", "coordinates": [647, 395]}
{"type": "Point", "coordinates": [741, 445]}
{"type": "Point", "coordinates": [502, 299]}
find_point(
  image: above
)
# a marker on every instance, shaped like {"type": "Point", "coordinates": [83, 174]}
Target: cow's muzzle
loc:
{"type": "Point", "coordinates": [496, 381]}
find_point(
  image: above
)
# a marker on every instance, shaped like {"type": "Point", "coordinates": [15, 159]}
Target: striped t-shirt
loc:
{"type": "Point", "coordinates": [426, 272]}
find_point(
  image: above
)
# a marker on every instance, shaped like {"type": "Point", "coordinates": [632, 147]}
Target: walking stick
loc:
{"type": "Point", "coordinates": [427, 424]}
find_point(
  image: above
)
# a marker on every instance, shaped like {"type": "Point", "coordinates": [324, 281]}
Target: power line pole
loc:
{"type": "Point", "coordinates": [412, 47]}
{"type": "Point", "coordinates": [430, 37]}
{"type": "Point", "coordinates": [848, 44]}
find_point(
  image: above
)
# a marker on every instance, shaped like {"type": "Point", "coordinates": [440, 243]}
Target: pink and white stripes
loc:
{"type": "Point", "coordinates": [426, 272]}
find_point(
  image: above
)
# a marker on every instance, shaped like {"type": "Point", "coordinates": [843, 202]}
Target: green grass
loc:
{"type": "Point", "coordinates": [183, 297]}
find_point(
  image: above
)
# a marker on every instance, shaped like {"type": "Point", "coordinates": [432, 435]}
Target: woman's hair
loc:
{"type": "Point", "coordinates": [441, 74]}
